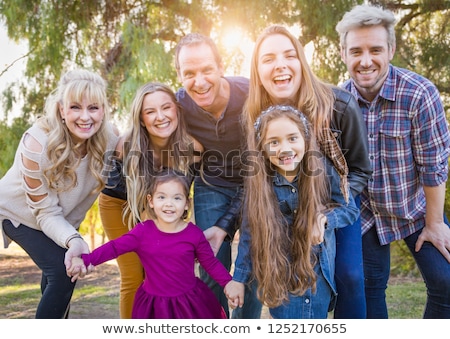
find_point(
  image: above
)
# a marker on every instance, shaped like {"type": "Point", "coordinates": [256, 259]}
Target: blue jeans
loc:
{"type": "Point", "coordinates": [349, 274]}
{"type": "Point", "coordinates": [56, 287]}
{"type": "Point", "coordinates": [433, 266]}
{"type": "Point", "coordinates": [210, 203]}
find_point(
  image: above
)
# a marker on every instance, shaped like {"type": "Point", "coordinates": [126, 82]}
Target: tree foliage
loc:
{"type": "Point", "coordinates": [132, 41]}
{"type": "Point", "coordinates": [9, 141]}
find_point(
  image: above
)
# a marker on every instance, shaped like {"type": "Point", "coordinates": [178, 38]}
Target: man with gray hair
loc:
{"type": "Point", "coordinates": [409, 146]}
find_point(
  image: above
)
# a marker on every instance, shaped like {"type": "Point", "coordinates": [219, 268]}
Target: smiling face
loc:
{"type": "Point", "coordinates": [367, 56]}
{"type": "Point", "coordinates": [284, 146]}
{"type": "Point", "coordinates": [279, 68]}
{"type": "Point", "coordinates": [169, 202]}
{"type": "Point", "coordinates": [159, 115]}
{"type": "Point", "coordinates": [83, 119]}
{"type": "Point", "coordinates": [200, 75]}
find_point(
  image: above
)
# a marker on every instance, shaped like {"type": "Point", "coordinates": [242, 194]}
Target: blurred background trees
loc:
{"type": "Point", "coordinates": [132, 41]}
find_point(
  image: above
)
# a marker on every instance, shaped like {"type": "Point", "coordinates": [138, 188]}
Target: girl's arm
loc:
{"type": "Point", "coordinates": [210, 263]}
{"type": "Point", "coordinates": [243, 262]}
{"type": "Point", "coordinates": [129, 242]}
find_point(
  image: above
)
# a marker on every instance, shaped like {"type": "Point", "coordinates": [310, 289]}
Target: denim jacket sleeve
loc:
{"type": "Point", "coordinates": [351, 132]}
{"type": "Point", "coordinates": [243, 262]}
{"type": "Point", "coordinates": [342, 213]}
{"type": "Point", "coordinates": [229, 221]}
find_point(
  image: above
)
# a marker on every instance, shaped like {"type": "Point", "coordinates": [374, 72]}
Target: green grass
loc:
{"type": "Point", "coordinates": [97, 295]}
{"type": "Point", "coordinates": [18, 301]}
{"type": "Point", "coordinates": [406, 300]}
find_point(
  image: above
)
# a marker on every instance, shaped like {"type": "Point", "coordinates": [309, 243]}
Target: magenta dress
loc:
{"type": "Point", "coordinates": [170, 289]}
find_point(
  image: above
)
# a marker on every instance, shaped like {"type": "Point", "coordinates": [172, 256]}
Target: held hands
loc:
{"type": "Point", "coordinates": [77, 269]}
{"type": "Point", "coordinates": [234, 291]}
{"type": "Point", "coordinates": [77, 246]}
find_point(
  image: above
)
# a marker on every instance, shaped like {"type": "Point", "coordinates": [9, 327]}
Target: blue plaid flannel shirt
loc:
{"type": "Point", "coordinates": [409, 145]}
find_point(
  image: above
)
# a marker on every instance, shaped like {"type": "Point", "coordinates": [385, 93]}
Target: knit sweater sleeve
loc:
{"type": "Point", "coordinates": [48, 211]}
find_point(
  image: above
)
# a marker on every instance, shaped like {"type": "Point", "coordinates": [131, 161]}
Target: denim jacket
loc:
{"type": "Point", "coordinates": [342, 215]}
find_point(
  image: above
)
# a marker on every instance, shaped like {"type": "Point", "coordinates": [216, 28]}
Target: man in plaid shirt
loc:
{"type": "Point", "coordinates": [409, 145]}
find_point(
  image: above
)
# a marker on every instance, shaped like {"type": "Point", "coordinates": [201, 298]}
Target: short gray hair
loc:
{"type": "Point", "coordinates": [364, 16]}
{"type": "Point", "coordinates": [195, 39]}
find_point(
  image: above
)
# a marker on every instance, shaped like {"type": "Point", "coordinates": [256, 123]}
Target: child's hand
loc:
{"type": "Point", "coordinates": [234, 291]}
{"type": "Point", "coordinates": [76, 269]}
{"type": "Point", "coordinates": [319, 230]}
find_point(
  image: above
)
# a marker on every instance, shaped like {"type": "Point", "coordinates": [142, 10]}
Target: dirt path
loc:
{"type": "Point", "coordinates": [17, 268]}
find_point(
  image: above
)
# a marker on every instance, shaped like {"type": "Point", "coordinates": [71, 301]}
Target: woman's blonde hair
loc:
{"type": "Point", "coordinates": [61, 149]}
{"type": "Point", "coordinates": [282, 257]}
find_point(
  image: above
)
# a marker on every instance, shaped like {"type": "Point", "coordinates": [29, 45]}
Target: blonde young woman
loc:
{"type": "Point", "coordinates": [56, 176]}
{"type": "Point", "coordinates": [280, 74]}
{"type": "Point", "coordinates": [156, 138]}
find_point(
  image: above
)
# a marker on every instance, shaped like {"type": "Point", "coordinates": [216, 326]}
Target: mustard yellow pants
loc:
{"type": "Point", "coordinates": [130, 267]}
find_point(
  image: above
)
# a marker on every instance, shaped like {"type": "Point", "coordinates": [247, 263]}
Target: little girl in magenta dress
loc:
{"type": "Point", "coordinates": [168, 248]}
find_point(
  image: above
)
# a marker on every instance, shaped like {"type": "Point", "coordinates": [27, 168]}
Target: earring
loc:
{"type": "Point", "coordinates": [63, 121]}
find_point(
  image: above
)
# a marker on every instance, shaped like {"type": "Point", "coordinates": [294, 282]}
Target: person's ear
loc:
{"type": "Point", "coordinates": [342, 52]}
{"type": "Point", "coordinates": [180, 79]}
{"type": "Point", "coordinates": [150, 200]}
{"type": "Point", "coordinates": [391, 52]}
{"type": "Point", "coordinates": [188, 204]}
{"type": "Point", "coordinates": [221, 70]}
{"type": "Point", "coordinates": [61, 111]}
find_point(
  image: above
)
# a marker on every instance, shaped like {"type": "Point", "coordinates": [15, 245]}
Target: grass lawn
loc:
{"type": "Point", "coordinates": [97, 296]}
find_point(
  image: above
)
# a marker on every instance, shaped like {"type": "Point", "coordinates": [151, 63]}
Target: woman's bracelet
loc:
{"type": "Point", "coordinates": [73, 236]}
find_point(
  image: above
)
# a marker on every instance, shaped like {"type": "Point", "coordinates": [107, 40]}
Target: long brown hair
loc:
{"type": "Point", "coordinates": [282, 257]}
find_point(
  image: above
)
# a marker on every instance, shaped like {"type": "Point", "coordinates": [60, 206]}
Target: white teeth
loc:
{"type": "Point", "coordinates": [365, 72]}
{"type": "Point", "coordinates": [282, 77]}
{"type": "Point", "coordinates": [84, 126]}
{"type": "Point", "coordinates": [163, 125]}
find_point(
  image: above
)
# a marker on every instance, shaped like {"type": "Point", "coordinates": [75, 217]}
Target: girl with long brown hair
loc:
{"type": "Point", "coordinates": [291, 211]}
